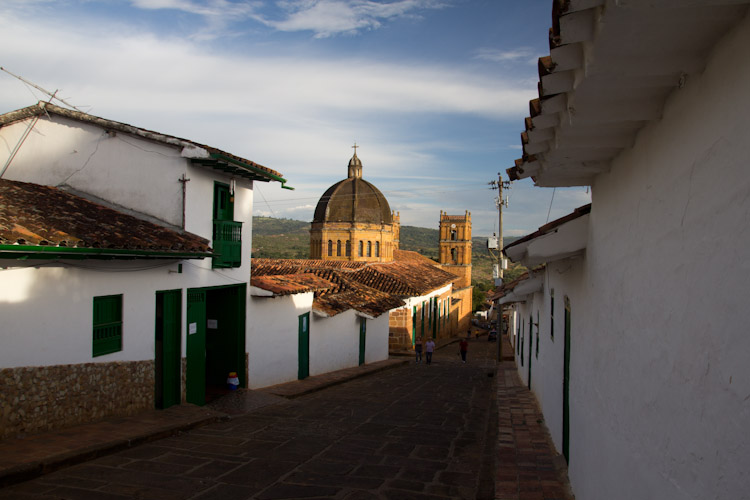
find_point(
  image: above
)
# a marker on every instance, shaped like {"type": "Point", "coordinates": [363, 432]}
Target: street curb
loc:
{"type": "Point", "coordinates": [331, 383]}
{"type": "Point", "coordinates": [30, 470]}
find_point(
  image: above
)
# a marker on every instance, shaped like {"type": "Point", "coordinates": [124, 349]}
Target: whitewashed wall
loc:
{"type": "Point", "coordinates": [376, 342]}
{"type": "Point", "coordinates": [660, 377]}
{"type": "Point", "coordinates": [272, 341]}
{"type": "Point", "coordinates": [129, 173]}
{"type": "Point", "coordinates": [334, 342]}
{"type": "Point", "coordinates": [273, 338]}
{"type": "Point", "coordinates": [122, 169]}
{"type": "Point", "coordinates": [132, 175]}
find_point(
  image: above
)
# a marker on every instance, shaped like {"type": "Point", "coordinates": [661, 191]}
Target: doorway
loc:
{"type": "Point", "coordinates": [215, 341]}
{"type": "Point", "coordinates": [566, 386]}
{"type": "Point", "coordinates": [167, 347]}
{"type": "Point", "coordinates": [362, 340]}
{"type": "Point", "coordinates": [303, 351]}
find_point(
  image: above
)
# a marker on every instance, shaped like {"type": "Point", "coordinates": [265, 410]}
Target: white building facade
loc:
{"type": "Point", "coordinates": [651, 398]}
{"type": "Point", "coordinates": [180, 316]}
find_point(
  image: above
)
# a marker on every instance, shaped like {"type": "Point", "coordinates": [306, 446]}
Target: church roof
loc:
{"type": "Point", "coordinates": [353, 200]}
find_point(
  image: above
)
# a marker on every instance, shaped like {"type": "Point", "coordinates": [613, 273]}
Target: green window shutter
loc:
{"type": "Point", "coordinates": [107, 336]}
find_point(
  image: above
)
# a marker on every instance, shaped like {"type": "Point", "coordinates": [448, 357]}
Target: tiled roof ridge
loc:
{"type": "Point", "coordinates": [43, 107]}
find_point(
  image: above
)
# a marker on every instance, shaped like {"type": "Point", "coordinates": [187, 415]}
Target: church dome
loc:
{"type": "Point", "coordinates": [353, 200]}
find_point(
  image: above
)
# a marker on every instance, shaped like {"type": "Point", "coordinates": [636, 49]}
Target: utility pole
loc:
{"type": "Point", "coordinates": [501, 201]}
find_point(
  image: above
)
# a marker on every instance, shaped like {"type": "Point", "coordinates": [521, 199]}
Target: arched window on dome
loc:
{"type": "Point", "coordinates": [369, 248]}
{"type": "Point", "coordinates": [361, 250]}
{"type": "Point", "coordinates": [330, 248]}
{"type": "Point", "coordinates": [348, 248]}
{"type": "Point", "coordinates": [377, 249]}
{"type": "Point", "coordinates": [338, 248]}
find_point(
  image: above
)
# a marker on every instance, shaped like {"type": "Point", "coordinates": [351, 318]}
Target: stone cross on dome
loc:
{"type": "Point", "coordinates": [355, 164]}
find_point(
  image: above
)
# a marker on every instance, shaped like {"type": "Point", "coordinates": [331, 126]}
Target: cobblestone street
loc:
{"type": "Point", "coordinates": [416, 431]}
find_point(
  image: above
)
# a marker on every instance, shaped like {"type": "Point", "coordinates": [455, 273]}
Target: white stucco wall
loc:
{"type": "Point", "coordinates": [272, 341]}
{"type": "Point", "coordinates": [53, 304]}
{"type": "Point", "coordinates": [273, 338]}
{"type": "Point", "coordinates": [122, 169]}
{"type": "Point", "coordinates": [659, 373]}
{"type": "Point", "coordinates": [334, 342]}
{"type": "Point", "coordinates": [47, 310]}
{"type": "Point", "coordinates": [376, 341]}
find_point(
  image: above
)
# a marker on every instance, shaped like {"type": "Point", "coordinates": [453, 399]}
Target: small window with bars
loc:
{"type": "Point", "coordinates": [107, 325]}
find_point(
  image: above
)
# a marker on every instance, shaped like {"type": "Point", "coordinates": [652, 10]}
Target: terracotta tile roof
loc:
{"type": "Point", "coordinates": [371, 288]}
{"type": "Point", "coordinates": [418, 278]}
{"type": "Point", "coordinates": [292, 283]}
{"type": "Point", "coordinates": [354, 295]}
{"type": "Point", "coordinates": [200, 153]}
{"type": "Point", "coordinates": [409, 255]}
{"type": "Point", "coordinates": [44, 216]}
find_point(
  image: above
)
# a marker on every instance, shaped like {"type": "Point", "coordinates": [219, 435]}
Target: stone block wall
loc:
{"type": "Point", "coordinates": [399, 327]}
{"type": "Point", "coordinates": [43, 398]}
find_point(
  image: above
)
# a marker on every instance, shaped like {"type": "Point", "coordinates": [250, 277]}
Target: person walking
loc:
{"type": "Point", "coordinates": [418, 349]}
{"type": "Point", "coordinates": [429, 348]}
{"type": "Point", "coordinates": [463, 346]}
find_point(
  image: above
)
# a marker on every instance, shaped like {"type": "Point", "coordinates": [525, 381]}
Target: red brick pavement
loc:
{"type": "Point", "coordinates": [528, 468]}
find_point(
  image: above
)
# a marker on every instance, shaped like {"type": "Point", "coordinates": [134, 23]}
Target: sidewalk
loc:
{"type": "Point", "coordinates": [527, 466]}
{"type": "Point", "coordinates": [517, 461]}
{"type": "Point", "coordinates": [25, 458]}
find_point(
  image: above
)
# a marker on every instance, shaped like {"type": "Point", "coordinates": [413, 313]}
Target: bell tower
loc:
{"type": "Point", "coordinates": [455, 246]}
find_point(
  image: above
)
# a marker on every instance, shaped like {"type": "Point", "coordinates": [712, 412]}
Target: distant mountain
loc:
{"type": "Point", "coordinates": [290, 239]}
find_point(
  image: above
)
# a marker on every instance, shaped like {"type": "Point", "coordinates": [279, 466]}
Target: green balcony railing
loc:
{"type": "Point", "coordinates": [227, 243]}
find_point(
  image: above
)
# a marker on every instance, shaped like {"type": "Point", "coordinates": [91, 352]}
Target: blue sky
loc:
{"type": "Point", "coordinates": [434, 91]}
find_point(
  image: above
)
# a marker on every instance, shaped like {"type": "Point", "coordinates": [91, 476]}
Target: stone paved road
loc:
{"type": "Point", "coordinates": [414, 432]}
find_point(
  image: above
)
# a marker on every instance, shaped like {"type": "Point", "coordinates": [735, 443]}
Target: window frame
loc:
{"type": "Point", "coordinates": [106, 314]}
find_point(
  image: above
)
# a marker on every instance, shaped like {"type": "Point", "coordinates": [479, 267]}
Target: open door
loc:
{"type": "Point", "coordinates": [167, 331]}
{"type": "Point", "coordinates": [566, 386]}
{"type": "Point", "coordinates": [196, 347]}
{"type": "Point", "coordinates": [362, 339]}
{"type": "Point", "coordinates": [303, 370]}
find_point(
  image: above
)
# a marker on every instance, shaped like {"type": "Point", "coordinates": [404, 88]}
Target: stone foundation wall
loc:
{"type": "Point", "coordinates": [43, 398]}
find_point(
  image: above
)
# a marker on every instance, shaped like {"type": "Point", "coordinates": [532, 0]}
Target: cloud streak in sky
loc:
{"type": "Point", "coordinates": [233, 74]}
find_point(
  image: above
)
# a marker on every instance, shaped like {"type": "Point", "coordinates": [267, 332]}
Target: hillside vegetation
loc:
{"type": "Point", "coordinates": [290, 239]}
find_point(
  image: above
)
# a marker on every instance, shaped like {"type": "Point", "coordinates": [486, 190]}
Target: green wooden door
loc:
{"type": "Point", "coordinates": [566, 386]}
{"type": "Point", "coordinates": [168, 331]}
{"type": "Point", "coordinates": [362, 339]}
{"type": "Point", "coordinates": [531, 344]}
{"type": "Point", "coordinates": [303, 370]}
{"type": "Point", "coordinates": [196, 347]}
{"type": "Point", "coordinates": [223, 202]}
{"type": "Point", "coordinates": [414, 326]}
{"type": "Point", "coordinates": [433, 316]}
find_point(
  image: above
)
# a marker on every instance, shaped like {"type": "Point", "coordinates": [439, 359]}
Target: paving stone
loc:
{"type": "Point", "coordinates": [444, 431]}
{"type": "Point", "coordinates": [213, 469]}
{"type": "Point", "coordinates": [63, 493]}
{"type": "Point", "coordinates": [282, 491]}
{"type": "Point", "coordinates": [227, 492]}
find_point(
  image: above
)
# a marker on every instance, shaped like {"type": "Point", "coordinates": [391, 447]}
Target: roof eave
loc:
{"type": "Point", "coordinates": [24, 252]}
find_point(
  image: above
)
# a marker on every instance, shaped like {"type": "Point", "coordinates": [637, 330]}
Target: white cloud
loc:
{"type": "Point", "coordinates": [501, 56]}
{"type": "Point", "coordinates": [332, 17]}
{"type": "Point", "coordinates": [299, 116]}
{"type": "Point", "coordinates": [325, 18]}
